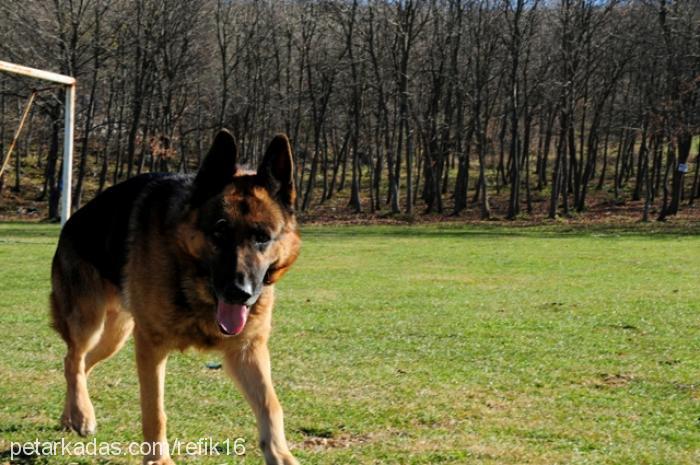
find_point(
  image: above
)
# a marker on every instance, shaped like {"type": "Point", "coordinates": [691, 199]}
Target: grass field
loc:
{"type": "Point", "coordinates": [414, 345]}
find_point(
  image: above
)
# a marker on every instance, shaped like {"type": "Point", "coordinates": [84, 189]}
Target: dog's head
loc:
{"type": "Point", "coordinates": [241, 228]}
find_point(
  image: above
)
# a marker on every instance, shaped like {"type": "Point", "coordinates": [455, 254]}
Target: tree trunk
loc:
{"type": "Point", "coordinates": [684, 141]}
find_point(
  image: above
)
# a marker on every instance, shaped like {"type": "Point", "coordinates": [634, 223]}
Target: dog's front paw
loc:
{"type": "Point", "coordinates": [160, 461]}
{"type": "Point", "coordinates": [289, 460]}
{"type": "Point", "coordinates": [281, 459]}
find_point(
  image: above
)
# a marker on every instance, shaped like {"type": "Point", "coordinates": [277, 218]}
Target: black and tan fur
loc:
{"type": "Point", "coordinates": [152, 256]}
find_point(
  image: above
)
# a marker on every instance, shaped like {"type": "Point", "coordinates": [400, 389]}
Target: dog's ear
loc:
{"type": "Point", "coordinates": [277, 171]}
{"type": "Point", "coordinates": [217, 169]}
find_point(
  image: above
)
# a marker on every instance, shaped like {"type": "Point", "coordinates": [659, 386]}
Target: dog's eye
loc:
{"type": "Point", "coordinates": [261, 237]}
{"type": "Point", "coordinates": [220, 228]}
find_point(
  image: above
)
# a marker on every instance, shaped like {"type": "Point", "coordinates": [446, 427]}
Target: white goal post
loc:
{"type": "Point", "coordinates": [69, 120]}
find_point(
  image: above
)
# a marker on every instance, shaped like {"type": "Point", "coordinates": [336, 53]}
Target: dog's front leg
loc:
{"type": "Point", "coordinates": [250, 369]}
{"type": "Point", "coordinates": [151, 361]}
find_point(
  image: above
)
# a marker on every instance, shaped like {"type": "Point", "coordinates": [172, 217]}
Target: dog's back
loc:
{"type": "Point", "coordinates": [97, 233]}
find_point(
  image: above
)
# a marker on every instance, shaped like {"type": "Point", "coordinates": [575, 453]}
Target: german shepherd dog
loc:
{"type": "Point", "coordinates": [180, 261]}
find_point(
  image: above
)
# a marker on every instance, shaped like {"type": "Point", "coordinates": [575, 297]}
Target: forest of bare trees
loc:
{"type": "Point", "coordinates": [494, 106]}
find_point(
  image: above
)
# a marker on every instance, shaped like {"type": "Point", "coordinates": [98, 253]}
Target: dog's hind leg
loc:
{"type": "Point", "coordinates": [78, 413]}
{"type": "Point", "coordinates": [117, 329]}
{"type": "Point", "coordinates": [78, 315]}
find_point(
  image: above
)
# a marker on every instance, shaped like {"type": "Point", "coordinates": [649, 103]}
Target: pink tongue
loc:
{"type": "Point", "coordinates": [231, 317]}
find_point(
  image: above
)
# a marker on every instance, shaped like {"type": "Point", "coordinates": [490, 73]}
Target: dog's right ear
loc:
{"type": "Point", "coordinates": [277, 170]}
{"type": "Point", "coordinates": [217, 169]}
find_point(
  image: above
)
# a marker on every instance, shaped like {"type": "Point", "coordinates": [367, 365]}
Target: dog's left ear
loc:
{"type": "Point", "coordinates": [277, 170]}
{"type": "Point", "coordinates": [217, 169]}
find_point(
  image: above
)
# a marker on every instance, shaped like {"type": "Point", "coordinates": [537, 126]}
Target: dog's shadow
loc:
{"type": "Point", "coordinates": [9, 457]}
{"type": "Point", "coordinates": [12, 457]}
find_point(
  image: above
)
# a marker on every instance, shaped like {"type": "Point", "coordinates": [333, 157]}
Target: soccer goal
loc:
{"type": "Point", "coordinates": [69, 119]}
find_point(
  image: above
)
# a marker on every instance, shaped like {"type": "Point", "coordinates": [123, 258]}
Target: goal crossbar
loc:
{"type": "Point", "coordinates": [69, 119]}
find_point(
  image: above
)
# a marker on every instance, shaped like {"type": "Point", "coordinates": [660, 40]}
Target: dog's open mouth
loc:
{"type": "Point", "coordinates": [231, 317]}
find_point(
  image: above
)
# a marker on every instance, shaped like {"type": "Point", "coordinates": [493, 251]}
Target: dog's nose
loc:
{"type": "Point", "coordinates": [239, 291]}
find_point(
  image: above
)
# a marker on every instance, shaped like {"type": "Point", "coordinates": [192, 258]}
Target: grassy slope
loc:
{"type": "Point", "coordinates": [417, 345]}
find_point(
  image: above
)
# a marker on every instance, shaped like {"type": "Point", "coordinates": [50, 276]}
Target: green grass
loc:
{"type": "Point", "coordinates": [415, 345]}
